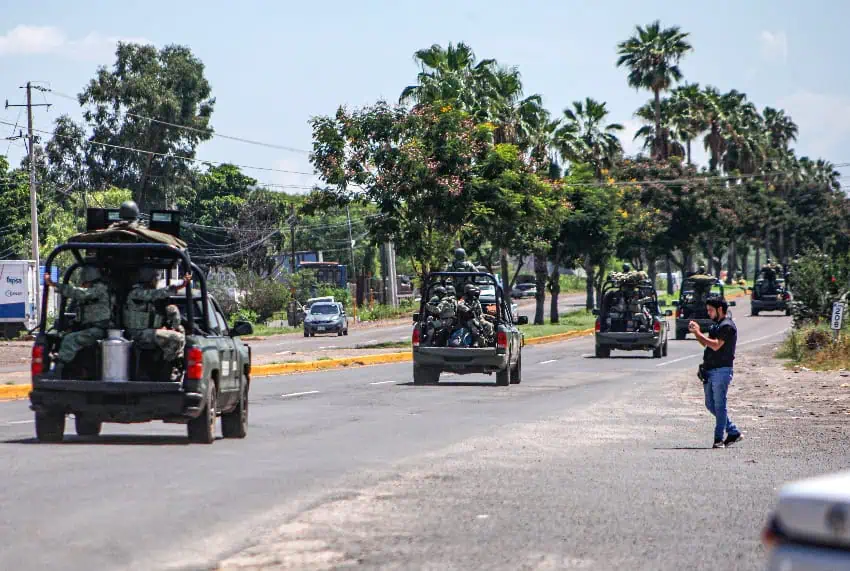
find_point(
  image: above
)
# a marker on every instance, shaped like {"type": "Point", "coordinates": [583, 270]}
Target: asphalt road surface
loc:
{"type": "Point", "coordinates": [282, 345]}
{"type": "Point", "coordinates": [583, 465]}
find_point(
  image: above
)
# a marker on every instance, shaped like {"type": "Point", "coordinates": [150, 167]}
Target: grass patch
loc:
{"type": "Point", "coordinates": [287, 362]}
{"type": "Point", "coordinates": [385, 345]}
{"type": "Point", "coordinates": [380, 312]}
{"type": "Point", "coordinates": [570, 321]}
{"type": "Point", "coordinates": [572, 284]}
{"type": "Point", "coordinates": [261, 330]}
{"type": "Point", "coordinates": [814, 348]}
{"type": "Point", "coordinates": [323, 359]}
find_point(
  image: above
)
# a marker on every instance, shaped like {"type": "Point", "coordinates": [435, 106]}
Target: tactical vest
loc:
{"type": "Point", "coordinates": [139, 310]}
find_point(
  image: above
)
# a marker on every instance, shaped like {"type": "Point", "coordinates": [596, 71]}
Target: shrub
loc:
{"type": "Point", "coordinates": [816, 281]}
{"type": "Point", "coordinates": [244, 315]}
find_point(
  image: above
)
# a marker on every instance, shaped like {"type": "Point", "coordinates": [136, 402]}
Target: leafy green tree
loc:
{"type": "Point", "coordinates": [652, 57]}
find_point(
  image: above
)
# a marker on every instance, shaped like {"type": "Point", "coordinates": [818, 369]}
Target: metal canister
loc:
{"type": "Point", "coordinates": [115, 357]}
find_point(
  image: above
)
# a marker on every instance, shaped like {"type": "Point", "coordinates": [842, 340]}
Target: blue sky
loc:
{"type": "Point", "coordinates": [272, 65]}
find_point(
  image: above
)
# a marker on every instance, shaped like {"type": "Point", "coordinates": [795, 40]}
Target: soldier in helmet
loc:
{"type": "Point", "coordinates": [94, 313]}
{"type": "Point", "coordinates": [460, 263]}
{"type": "Point", "coordinates": [432, 313]}
{"type": "Point", "coordinates": [627, 268]}
{"type": "Point", "coordinates": [470, 314]}
{"type": "Point", "coordinates": [128, 211]}
{"type": "Point", "coordinates": [145, 325]}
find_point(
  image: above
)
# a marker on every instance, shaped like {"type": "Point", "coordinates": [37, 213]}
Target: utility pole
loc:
{"type": "Point", "coordinates": [292, 223]}
{"type": "Point", "coordinates": [33, 189]}
{"type": "Point", "coordinates": [351, 251]}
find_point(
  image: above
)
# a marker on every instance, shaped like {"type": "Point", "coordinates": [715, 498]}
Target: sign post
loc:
{"type": "Point", "coordinates": [837, 318]}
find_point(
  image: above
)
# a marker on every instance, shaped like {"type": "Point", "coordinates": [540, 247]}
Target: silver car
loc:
{"type": "Point", "coordinates": [810, 527]}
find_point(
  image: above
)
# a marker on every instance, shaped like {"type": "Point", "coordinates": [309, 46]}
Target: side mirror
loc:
{"type": "Point", "coordinates": [523, 320]}
{"type": "Point", "coordinates": [595, 312]}
{"type": "Point", "coordinates": [668, 313]}
{"type": "Point", "coordinates": [416, 317]}
{"type": "Point", "coordinates": [241, 328]}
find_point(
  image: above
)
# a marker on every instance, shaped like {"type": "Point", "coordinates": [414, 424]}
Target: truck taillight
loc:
{"type": "Point", "coordinates": [678, 313]}
{"type": "Point", "coordinates": [37, 365]}
{"type": "Point", "coordinates": [598, 326]}
{"type": "Point", "coordinates": [502, 340]}
{"type": "Point", "coordinates": [657, 327]}
{"type": "Point", "coordinates": [194, 364]}
{"type": "Point", "coordinates": [416, 336]}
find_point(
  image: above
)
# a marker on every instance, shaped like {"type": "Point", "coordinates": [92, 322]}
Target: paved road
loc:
{"type": "Point", "coordinates": [281, 346]}
{"type": "Point", "coordinates": [140, 497]}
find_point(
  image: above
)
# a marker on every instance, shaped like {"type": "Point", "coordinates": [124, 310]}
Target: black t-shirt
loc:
{"type": "Point", "coordinates": [725, 357]}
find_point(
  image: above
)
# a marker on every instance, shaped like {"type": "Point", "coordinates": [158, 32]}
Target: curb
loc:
{"type": "Point", "coordinates": [559, 337]}
{"type": "Point", "coordinates": [14, 392]}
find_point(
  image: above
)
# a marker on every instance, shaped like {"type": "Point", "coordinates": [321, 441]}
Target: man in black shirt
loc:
{"type": "Point", "coordinates": [717, 367]}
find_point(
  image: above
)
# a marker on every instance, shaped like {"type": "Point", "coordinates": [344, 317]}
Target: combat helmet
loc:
{"type": "Point", "coordinates": [460, 254]}
{"type": "Point", "coordinates": [90, 274]}
{"type": "Point", "coordinates": [471, 289]}
{"type": "Point", "coordinates": [128, 211]}
{"type": "Point", "coordinates": [439, 291]}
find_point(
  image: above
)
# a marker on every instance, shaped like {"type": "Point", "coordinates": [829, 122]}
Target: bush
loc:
{"type": "Point", "coordinates": [244, 315]}
{"type": "Point", "coordinates": [816, 281]}
{"type": "Point", "coordinates": [380, 311]}
{"type": "Point", "coordinates": [263, 296]}
{"type": "Point", "coordinates": [342, 295]}
{"type": "Point", "coordinates": [817, 339]}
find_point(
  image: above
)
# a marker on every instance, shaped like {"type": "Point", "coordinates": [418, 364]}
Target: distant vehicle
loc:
{"type": "Point", "coordinates": [325, 317]}
{"type": "Point", "coordinates": [504, 357]}
{"type": "Point", "coordinates": [523, 290]}
{"type": "Point", "coordinates": [630, 318]}
{"type": "Point", "coordinates": [809, 529]}
{"type": "Point", "coordinates": [691, 303]}
{"type": "Point", "coordinates": [123, 382]}
{"type": "Point", "coordinates": [769, 293]}
{"type": "Point", "coordinates": [18, 282]}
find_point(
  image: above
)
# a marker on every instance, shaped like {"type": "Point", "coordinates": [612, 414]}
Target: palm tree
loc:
{"type": "Point", "coordinates": [652, 56]}
{"type": "Point", "coordinates": [688, 114]}
{"type": "Point", "coordinates": [781, 129]}
{"type": "Point", "coordinates": [583, 137]}
{"type": "Point", "coordinates": [746, 140]}
{"type": "Point", "coordinates": [516, 117]}
{"type": "Point", "coordinates": [666, 143]}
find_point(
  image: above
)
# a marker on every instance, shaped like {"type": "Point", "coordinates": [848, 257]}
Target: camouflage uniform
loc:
{"type": "Point", "coordinates": [94, 316]}
{"type": "Point", "coordinates": [145, 326]}
{"type": "Point", "coordinates": [460, 263]}
{"type": "Point", "coordinates": [471, 312]}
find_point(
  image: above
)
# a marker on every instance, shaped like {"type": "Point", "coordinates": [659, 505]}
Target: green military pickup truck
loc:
{"type": "Point", "coordinates": [122, 382]}
{"type": "Point", "coordinates": [451, 351]}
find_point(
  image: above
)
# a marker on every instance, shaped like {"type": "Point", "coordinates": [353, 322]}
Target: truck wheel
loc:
{"type": "Point", "coordinates": [339, 333]}
{"type": "Point", "coordinates": [787, 313]}
{"type": "Point", "coordinates": [50, 426]}
{"type": "Point", "coordinates": [234, 424]}
{"type": "Point", "coordinates": [681, 334]}
{"type": "Point", "coordinates": [664, 349]}
{"type": "Point", "coordinates": [755, 312]}
{"type": "Point", "coordinates": [503, 377]}
{"type": "Point", "coordinates": [516, 374]}
{"type": "Point", "coordinates": [425, 376]}
{"type": "Point", "coordinates": [602, 353]}
{"type": "Point", "coordinates": [658, 352]}
{"type": "Point", "coordinates": [202, 429]}
{"type": "Point", "coordinates": [306, 334]}
{"type": "Point", "coordinates": [86, 427]}
{"type": "Point", "coordinates": [345, 332]}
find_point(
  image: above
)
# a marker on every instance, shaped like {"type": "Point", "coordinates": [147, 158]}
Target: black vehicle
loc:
{"type": "Point", "coordinates": [691, 304]}
{"type": "Point", "coordinates": [770, 293]}
{"type": "Point", "coordinates": [504, 357]}
{"type": "Point", "coordinates": [630, 319]}
{"type": "Point", "coordinates": [117, 381]}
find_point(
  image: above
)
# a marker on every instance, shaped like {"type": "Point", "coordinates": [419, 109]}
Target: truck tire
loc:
{"type": "Point", "coordinates": [306, 334]}
{"type": "Point", "coordinates": [425, 375]}
{"type": "Point", "coordinates": [787, 313]}
{"type": "Point", "coordinates": [234, 424]}
{"type": "Point", "coordinates": [86, 427]}
{"type": "Point", "coordinates": [50, 426]}
{"type": "Point", "coordinates": [658, 352]}
{"type": "Point", "coordinates": [754, 312]}
{"type": "Point", "coordinates": [664, 349]}
{"type": "Point", "coordinates": [201, 430]}
{"type": "Point", "coordinates": [602, 353]}
{"type": "Point", "coordinates": [516, 373]}
{"type": "Point", "coordinates": [681, 334]}
{"type": "Point", "coordinates": [503, 377]}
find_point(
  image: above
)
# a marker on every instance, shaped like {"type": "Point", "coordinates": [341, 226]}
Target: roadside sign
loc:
{"type": "Point", "coordinates": [837, 315]}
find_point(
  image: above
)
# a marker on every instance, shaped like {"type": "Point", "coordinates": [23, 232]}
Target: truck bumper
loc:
{"type": "Point", "coordinates": [460, 360]}
{"type": "Point", "coordinates": [769, 305]}
{"type": "Point", "coordinates": [704, 324]}
{"type": "Point", "coordinates": [124, 402]}
{"type": "Point", "coordinates": [628, 341]}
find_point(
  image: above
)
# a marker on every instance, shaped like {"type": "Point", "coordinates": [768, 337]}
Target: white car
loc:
{"type": "Point", "coordinates": [810, 527]}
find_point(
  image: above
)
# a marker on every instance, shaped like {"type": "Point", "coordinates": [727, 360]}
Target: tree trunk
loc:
{"type": "Point", "coordinates": [688, 148]}
{"type": "Point", "coordinates": [554, 316]}
{"type": "Point", "coordinates": [766, 245]}
{"type": "Point", "coordinates": [599, 280]}
{"type": "Point", "coordinates": [731, 263]}
{"type": "Point", "coordinates": [781, 244]}
{"type": "Point", "coordinates": [745, 260]}
{"type": "Point", "coordinates": [659, 154]}
{"type": "Point", "coordinates": [652, 271]}
{"type": "Point", "coordinates": [588, 280]}
{"type": "Point", "coordinates": [506, 277]}
{"type": "Point", "coordinates": [541, 273]}
{"type": "Point", "coordinates": [669, 269]}
{"type": "Point", "coordinates": [758, 263]}
{"type": "Point", "coordinates": [794, 244]}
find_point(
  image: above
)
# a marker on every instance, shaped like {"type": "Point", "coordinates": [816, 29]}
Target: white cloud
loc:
{"type": "Point", "coordinates": [824, 122]}
{"type": "Point", "coordinates": [50, 40]}
{"type": "Point", "coordinates": [774, 46]}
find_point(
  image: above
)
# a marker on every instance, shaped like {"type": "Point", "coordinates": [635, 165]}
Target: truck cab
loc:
{"type": "Point", "coordinates": [119, 381]}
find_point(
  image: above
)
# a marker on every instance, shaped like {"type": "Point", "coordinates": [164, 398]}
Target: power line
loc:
{"type": "Point", "coordinates": [202, 131]}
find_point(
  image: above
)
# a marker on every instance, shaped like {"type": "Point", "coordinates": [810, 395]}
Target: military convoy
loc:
{"type": "Point", "coordinates": [629, 317]}
{"type": "Point", "coordinates": [125, 351]}
{"type": "Point", "coordinates": [453, 332]}
{"type": "Point", "coordinates": [770, 291]}
{"type": "Point", "coordinates": [695, 290]}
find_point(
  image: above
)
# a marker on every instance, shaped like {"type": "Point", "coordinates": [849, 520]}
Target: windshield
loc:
{"type": "Point", "coordinates": [525, 286]}
{"type": "Point", "coordinates": [324, 310]}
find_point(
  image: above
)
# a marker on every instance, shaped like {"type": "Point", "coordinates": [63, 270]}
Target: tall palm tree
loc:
{"type": "Point", "coordinates": [746, 140]}
{"type": "Point", "coordinates": [584, 137]}
{"type": "Point", "coordinates": [688, 114]}
{"type": "Point", "coordinates": [667, 143]}
{"type": "Point", "coordinates": [780, 127]}
{"type": "Point", "coordinates": [652, 56]}
{"type": "Point", "coordinates": [515, 116]}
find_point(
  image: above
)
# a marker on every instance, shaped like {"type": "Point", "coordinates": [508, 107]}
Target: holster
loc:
{"type": "Point", "coordinates": [701, 374]}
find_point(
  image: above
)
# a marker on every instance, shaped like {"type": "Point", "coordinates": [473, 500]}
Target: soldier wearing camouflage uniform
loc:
{"type": "Point", "coordinates": [94, 313]}
{"type": "Point", "coordinates": [432, 312]}
{"type": "Point", "coordinates": [460, 263]}
{"type": "Point", "coordinates": [471, 314]}
{"type": "Point", "coordinates": [145, 326]}
{"type": "Point", "coordinates": [445, 315]}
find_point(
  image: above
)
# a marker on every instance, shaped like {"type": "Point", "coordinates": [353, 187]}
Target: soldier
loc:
{"type": "Point", "coordinates": [432, 311]}
{"type": "Point", "coordinates": [470, 314]}
{"type": "Point", "coordinates": [94, 313]}
{"type": "Point", "coordinates": [144, 325]}
{"type": "Point", "coordinates": [460, 263]}
{"type": "Point", "coordinates": [451, 291]}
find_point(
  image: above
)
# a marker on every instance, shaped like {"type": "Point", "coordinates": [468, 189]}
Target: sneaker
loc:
{"type": "Point", "coordinates": [733, 438]}
{"type": "Point", "coordinates": [719, 444]}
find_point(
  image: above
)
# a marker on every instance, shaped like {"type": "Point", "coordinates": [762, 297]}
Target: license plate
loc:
{"type": "Point", "coordinates": [321, 328]}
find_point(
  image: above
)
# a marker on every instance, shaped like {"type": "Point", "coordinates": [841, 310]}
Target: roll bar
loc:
{"type": "Point", "coordinates": [170, 251]}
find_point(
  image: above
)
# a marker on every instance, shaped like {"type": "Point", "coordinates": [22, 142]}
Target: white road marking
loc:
{"type": "Point", "coordinates": [13, 422]}
{"type": "Point", "coordinates": [370, 341]}
{"type": "Point", "coordinates": [328, 347]}
{"type": "Point", "coordinates": [765, 337]}
{"type": "Point", "coordinates": [382, 383]}
{"type": "Point", "coordinates": [679, 359]}
{"type": "Point", "coordinates": [547, 362]}
{"type": "Point", "coordinates": [298, 394]}
{"type": "Point", "coordinates": [739, 345]}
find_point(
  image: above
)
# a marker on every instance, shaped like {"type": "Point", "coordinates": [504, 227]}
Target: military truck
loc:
{"type": "Point", "coordinates": [770, 291]}
{"type": "Point", "coordinates": [117, 381]}
{"type": "Point", "coordinates": [695, 290]}
{"type": "Point", "coordinates": [453, 351]}
{"type": "Point", "coordinates": [629, 317]}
